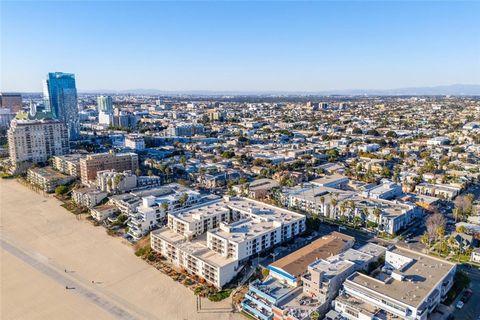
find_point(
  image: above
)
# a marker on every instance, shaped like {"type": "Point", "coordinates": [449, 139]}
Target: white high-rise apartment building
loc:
{"type": "Point", "coordinates": [34, 141]}
{"type": "Point", "coordinates": [105, 104]}
{"type": "Point", "coordinates": [105, 110]}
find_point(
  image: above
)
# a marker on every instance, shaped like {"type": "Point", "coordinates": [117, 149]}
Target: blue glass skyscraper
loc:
{"type": "Point", "coordinates": [60, 95]}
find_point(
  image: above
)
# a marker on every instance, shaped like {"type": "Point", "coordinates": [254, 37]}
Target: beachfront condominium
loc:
{"type": "Point", "coordinates": [92, 163]}
{"type": "Point", "coordinates": [214, 240]}
{"type": "Point", "coordinates": [34, 141]}
{"type": "Point", "coordinates": [68, 164]}
{"type": "Point", "coordinates": [409, 286]}
{"type": "Point", "coordinates": [60, 98]}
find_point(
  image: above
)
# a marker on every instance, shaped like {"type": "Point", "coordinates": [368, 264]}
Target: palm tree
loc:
{"type": "Point", "coordinates": [333, 203]}
{"type": "Point", "coordinates": [183, 199]}
{"type": "Point", "coordinates": [357, 221]}
{"type": "Point", "coordinates": [457, 214]}
{"type": "Point", "coordinates": [322, 201]}
{"type": "Point", "coordinates": [343, 208]}
{"type": "Point", "coordinates": [352, 208]}
{"type": "Point", "coordinates": [377, 212]}
{"type": "Point", "coordinates": [164, 206]}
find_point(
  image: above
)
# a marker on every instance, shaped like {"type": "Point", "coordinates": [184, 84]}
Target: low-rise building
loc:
{"type": "Point", "coordinates": [289, 269]}
{"type": "Point", "coordinates": [259, 189]}
{"type": "Point", "coordinates": [475, 256]}
{"type": "Point", "coordinates": [47, 179]}
{"type": "Point", "coordinates": [68, 164]}
{"type": "Point", "coordinates": [409, 286]}
{"type": "Point", "coordinates": [280, 299]}
{"type": "Point", "coordinates": [152, 211]}
{"type": "Point", "coordinates": [116, 182]}
{"type": "Point", "coordinates": [88, 197]}
{"type": "Point", "coordinates": [438, 190]}
{"type": "Point", "coordinates": [103, 212]}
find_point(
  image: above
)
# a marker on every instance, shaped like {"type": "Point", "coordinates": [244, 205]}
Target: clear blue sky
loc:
{"type": "Point", "coordinates": [289, 46]}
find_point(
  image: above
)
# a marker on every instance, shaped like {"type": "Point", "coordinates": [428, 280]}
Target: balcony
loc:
{"type": "Point", "coordinates": [256, 300]}
{"type": "Point", "coordinates": [259, 314]}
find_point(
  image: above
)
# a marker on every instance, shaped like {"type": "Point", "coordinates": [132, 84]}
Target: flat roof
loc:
{"type": "Point", "coordinates": [49, 173]}
{"type": "Point", "coordinates": [421, 275]}
{"type": "Point", "coordinates": [261, 213]}
{"type": "Point", "coordinates": [263, 184]}
{"type": "Point", "coordinates": [297, 262]}
{"type": "Point", "coordinates": [329, 179]}
{"type": "Point", "coordinates": [196, 247]}
{"type": "Point", "coordinates": [331, 267]}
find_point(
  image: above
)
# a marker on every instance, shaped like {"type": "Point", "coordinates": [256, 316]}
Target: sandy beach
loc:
{"type": "Point", "coordinates": [45, 249]}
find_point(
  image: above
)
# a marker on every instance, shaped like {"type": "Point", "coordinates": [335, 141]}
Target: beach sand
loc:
{"type": "Point", "coordinates": [40, 240]}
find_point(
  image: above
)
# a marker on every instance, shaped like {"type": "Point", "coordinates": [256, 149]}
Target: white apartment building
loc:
{"type": "Point", "coordinates": [213, 240]}
{"type": "Point", "coordinates": [438, 190]}
{"type": "Point", "coordinates": [153, 210]}
{"type": "Point", "coordinates": [105, 118]}
{"type": "Point", "coordinates": [135, 142]}
{"type": "Point", "coordinates": [68, 164]}
{"type": "Point", "coordinates": [47, 179]}
{"type": "Point", "coordinates": [103, 212]}
{"type": "Point", "coordinates": [410, 286]}
{"type": "Point", "coordinates": [334, 203]}
{"type": "Point", "coordinates": [88, 197]}
{"type": "Point", "coordinates": [185, 129]}
{"type": "Point", "coordinates": [34, 141]}
{"type": "Point", "coordinates": [116, 182]}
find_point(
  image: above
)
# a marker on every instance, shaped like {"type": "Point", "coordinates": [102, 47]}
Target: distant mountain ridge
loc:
{"type": "Point", "coordinates": [454, 90]}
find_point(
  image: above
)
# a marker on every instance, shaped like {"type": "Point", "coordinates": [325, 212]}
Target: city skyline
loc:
{"type": "Point", "coordinates": [285, 47]}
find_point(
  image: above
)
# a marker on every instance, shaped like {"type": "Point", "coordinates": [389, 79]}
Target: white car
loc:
{"type": "Point", "coordinates": [459, 305]}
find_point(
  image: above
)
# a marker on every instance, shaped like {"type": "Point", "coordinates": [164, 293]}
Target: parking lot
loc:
{"type": "Point", "coordinates": [471, 309]}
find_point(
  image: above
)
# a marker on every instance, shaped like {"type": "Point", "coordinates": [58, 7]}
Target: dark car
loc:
{"type": "Point", "coordinates": [466, 296]}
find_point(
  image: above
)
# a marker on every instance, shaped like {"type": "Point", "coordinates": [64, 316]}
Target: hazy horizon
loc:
{"type": "Point", "coordinates": [239, 46]}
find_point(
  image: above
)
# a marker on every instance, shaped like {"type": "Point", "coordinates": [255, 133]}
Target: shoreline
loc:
{"type": "Point", "coordinates": [38, 226]}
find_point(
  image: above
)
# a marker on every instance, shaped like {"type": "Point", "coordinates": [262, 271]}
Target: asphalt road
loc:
{"type": "Point", "coordinates": [471, 310]}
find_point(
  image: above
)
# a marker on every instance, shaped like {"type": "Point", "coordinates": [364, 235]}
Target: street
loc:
{"type": "Point", "coordinates": [471, 309]}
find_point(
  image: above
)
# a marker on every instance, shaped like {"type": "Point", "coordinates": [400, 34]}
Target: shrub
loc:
{"type": "Point", "coordinates": [60, 190]}
{"type": "Point", "coordinates": [143, 251]}
{"type": "Point", "coordinates": [220, 295]}
{"type": "Point", "coordinates": [265, 272]}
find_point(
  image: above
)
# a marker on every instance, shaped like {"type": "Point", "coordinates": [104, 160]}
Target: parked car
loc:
{"type": "Point", "coordinates": [459, 305]}
{"type": "Point", "coordinates": [466, 296]}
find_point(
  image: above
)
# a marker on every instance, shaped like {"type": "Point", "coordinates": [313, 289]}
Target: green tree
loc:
{"type": "Point", "coordinates": [183, 199]}
{"type": "Point", "coordinates": [314, 315]}
{"type": "Point", "coordinates": [61, 190]}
